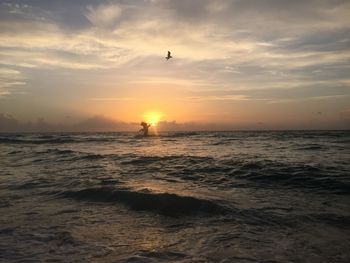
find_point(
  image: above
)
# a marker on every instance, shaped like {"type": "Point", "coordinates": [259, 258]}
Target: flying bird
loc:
{"type": "Point", "coordinates": [169, 56]}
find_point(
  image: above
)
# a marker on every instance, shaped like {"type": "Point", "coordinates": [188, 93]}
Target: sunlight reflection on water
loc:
{"type": "Point", "coordinates": [176, 197]}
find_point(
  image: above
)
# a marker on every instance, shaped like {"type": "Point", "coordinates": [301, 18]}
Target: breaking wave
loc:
{"type": "Point", "coordinates": [163, 203]}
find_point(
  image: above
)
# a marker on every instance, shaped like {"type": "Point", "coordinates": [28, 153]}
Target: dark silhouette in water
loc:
{"type": "Point", "coordinates": [144, 129]}
{"type": "Point", "coordinates": [169, 56]}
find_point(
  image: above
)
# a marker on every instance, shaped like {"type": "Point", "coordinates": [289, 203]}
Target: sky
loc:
{"type": "Point", "coordinates": [237, 64]}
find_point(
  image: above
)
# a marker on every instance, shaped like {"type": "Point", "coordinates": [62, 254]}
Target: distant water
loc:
{"type": "Point", "coordinates": [175, 197]}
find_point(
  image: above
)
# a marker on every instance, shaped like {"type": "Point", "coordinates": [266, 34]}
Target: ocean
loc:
{"type": "Point", "coordinates": [242, 196]}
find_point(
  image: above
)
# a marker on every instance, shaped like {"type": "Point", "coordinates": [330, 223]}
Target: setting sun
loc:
{"type": "Point", "coordinates": [153, 117]}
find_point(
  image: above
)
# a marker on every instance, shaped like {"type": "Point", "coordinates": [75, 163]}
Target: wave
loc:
{"type": "Point", "coordinates": [156, 256]}
{"type": "Point", "coordinates": [35, 140]}
{"type": "Point", "coordinates": [310, 147]}
{"type": "Point", "coordinates": [50, 139]}
{"type": "Point", "coordinates": [57, 151]}
{"type": "Point", "coordinates": [142, 160]}
{"type": "Point", "coordinates": [163, 203]}
{"type": "Point", "coordinates": [5, 140]}
{"type": "Point", "coordinates": [178, 134]}
{"type": "Point", "coordinates": [342, 221]}
{"type": "Point", "coordinates": [72, 155]}
{"type": "Point", "coordinates": [267, 172]}
{"type": "Point", "coordinates": [82, 138]}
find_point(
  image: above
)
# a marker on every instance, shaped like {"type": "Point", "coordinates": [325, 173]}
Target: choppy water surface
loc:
{"type": "Point", "coordinates": [176, 197]}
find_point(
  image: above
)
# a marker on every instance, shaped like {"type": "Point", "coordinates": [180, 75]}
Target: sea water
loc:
{"type": "Point", "coordinates": [281, 196]}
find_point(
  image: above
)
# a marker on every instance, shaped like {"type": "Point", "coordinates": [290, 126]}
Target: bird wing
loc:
{"type": "Point", "coordinates": [169, 53]}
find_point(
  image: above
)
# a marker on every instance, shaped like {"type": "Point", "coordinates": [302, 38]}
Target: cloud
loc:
{"type": "Point", "coordinates": [275, 94]}
{"type": "Point", "coordinates": [220, 98]}
{"type": "Point", "coordinates": [9, 124]}
{"type": "Point", "coordinates": [219, 35]}
{"type": "Point", "coordinates": [231, 51]}
{"type": "Point", "coordinates": [94, 124]}
{"type": "Point", "coordinates": [11, 81]}
{"type": "Point", "coordinates": [345, 116]}
{"type": "Point", "coordinates": [101, 123]}
{"type": "Point", "coordinates": [104, 15]}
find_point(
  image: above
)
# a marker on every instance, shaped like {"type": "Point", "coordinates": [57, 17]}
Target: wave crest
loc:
{"type": "Point", "coordinates": [163, 203]}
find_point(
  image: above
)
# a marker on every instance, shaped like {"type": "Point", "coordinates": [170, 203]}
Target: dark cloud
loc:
{"type": "Point", "coordinates": [69, 15]}
{"type": "Point", "coordinates": [345, 115]}
{"type": "Point", "coordinates": [9, 124]}
{"type": "Point", "coordinates": [103, 124]}
{"type": "Point", "coordinates": [335, 39]}
{"type": "Point", "coordinates": [98, 123]}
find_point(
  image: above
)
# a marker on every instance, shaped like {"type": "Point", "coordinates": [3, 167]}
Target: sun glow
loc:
{"type": "Point", "coordinates": [153, 118]}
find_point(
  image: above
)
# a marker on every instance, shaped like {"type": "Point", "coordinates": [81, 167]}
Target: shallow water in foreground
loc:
{"type": "Point", "coordinates": [176, 197]}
